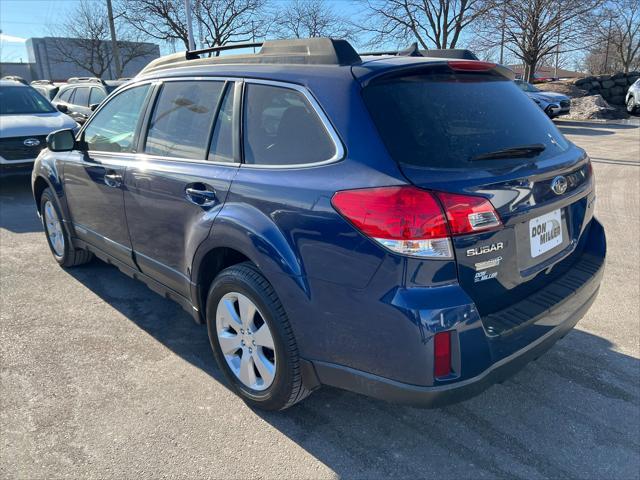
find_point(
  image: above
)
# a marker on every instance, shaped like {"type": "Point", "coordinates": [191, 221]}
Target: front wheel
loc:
{"type": "Point", "coordinates": [57, 236]}
{"type": "Point", "coordinates": [631, 105]}
{"type": "Point", "coordinates": [252, 339]}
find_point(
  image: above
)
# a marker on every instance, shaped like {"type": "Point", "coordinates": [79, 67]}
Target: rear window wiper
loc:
{"type": "Point", "coordinates": [512, 152]}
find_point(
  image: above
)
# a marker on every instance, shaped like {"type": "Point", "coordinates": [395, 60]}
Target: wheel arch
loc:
{"type": "Point", "coordinates": [243, 233]}
{"type": "Point", "coordinates": [39, 186]}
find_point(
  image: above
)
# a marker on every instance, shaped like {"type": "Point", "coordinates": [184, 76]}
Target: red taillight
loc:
{"type": "Point", "coordinates": [468, 214]}
{"type": "Point", "coordinates": [406, 220]}
{"type": "Point", "coordinates": [470, 65]}
{"type": "Point", "coordinates": [442, 354]}
{"type": "Point", "coordinates": [410, 221]}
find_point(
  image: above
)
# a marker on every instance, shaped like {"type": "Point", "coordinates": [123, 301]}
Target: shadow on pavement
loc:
{"type": "Point", "coordinates": [15, 195]}
{"type": "Point", "coordinates": [589, 132]}
{"type": "Point", "coordinates": [607, 125]}
{"type": "Point", "coordinates": [566, 415]}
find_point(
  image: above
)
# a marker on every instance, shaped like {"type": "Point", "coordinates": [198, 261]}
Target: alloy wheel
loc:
{"type": "Point", "coordinates": [54, 229]}
{"type": "Point", "coordinates": [246, 341]}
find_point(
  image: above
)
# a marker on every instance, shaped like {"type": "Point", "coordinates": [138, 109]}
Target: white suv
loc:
{"type": "Point", "coordinates": [26, 118]}
{"type": "Point", "coordinates": [633, 97]}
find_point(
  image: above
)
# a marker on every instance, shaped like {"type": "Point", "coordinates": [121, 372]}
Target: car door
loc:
{"type": "Point", "coordinates": [180, 180]}
{"type": "Point", "coordinates": [93, 178]}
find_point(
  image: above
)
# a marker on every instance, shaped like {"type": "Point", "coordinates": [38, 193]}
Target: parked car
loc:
{"type": "Point", "coordinates": [26, 118]}
{"type": "Point", "coordinates": [632, 100]}
{"type": "Point", "coordinates": [552, 103]}
{"type": "Point", "coordinates": [409, 228]}
{"type": "Point", "coordinates": [15, 78]}
{"type": "Point", "coordinates": [81, 95]}
{"type": "Point", "coordinates": [46, 88]}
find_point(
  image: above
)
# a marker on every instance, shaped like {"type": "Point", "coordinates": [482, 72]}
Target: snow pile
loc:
{"type": "Point", "coordinates": [593, 107]}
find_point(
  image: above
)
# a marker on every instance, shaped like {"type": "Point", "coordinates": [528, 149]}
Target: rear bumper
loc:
{"type": "Point", "coordinates": [506, 352]}
{"type": "Point", "coordinates": [431, 397]}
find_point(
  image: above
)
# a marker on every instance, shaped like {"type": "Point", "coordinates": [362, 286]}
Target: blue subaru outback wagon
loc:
{"type": "Point", "coordinates": [408, 226]}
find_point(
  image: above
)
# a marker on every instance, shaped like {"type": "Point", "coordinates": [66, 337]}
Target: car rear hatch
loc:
{"type": "Point", "coordinates": [464, 127]}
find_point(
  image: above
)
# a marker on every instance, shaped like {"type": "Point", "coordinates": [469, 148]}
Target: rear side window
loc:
{"type": "Point", "coordinates": [113, 127]}
{"type": "Point", "coordinates": [222, 140]}
{"type": "Point", "coordinates": [282, 128]}
{"type": "Point", "coordinates": [81, 97]}
{"type": "Point", "coordinates": [444, 120]}
{"type": "Point", "coordinates": [97, 95]}
{"type": "Point", "coordinates": [182, 119]}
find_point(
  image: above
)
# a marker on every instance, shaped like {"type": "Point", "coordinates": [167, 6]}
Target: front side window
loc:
{"type": "Point", "coordinates": [113, 128]}
{"type": "Point", "coordinates": [22, 100]}
{"type": "Point", "coordinates": [182, 119]}
{"type": "Point", "coordinates": [526, 86]}
{"type": "Point", "coordinates": [97, 95]}
{"type": "Point", "coordinates": [65, 95]}
{"type": "Point", "coordinates": [282, 128]}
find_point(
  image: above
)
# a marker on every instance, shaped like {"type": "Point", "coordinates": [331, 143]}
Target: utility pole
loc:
{"type": "Point", "coordinates": [504, 15]}
{"type": "Point", "coordinates": [114, 41]}
{"type": "Point", "coordinates": [187, 7]}
{"type": "Point", "coordinates": [557, 53]}
{"type": "Point", "coordinates": [606, 53]}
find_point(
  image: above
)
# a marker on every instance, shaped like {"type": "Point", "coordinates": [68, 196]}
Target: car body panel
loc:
{"type": "Point", "coordinates": [95, 204]}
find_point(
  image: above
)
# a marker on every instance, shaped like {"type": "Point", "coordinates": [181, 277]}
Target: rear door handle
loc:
{"type": "Point", "coordinates": [112, 179]}
{"type": "Point", "coordinates": [201, 196]}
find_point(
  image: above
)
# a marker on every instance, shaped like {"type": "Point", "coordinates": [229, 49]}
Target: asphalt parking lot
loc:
{"type": "Point", "coordinates": [101, 378]}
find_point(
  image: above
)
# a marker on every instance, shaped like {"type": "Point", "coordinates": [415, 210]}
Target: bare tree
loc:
{"type": "Point", "coordinates": [310, 18]}
{"type": "Point", "coordinates": [432, 23]}
{"type": "Point", "coordinates": [225, 21]}
{"type": "Point", "coordinates": [534, 30]}
{"type": "Point", "coordinates": [618, 27]}
{"type": "Point", "coordinates": [163, 20]}
{"type": "Point", "coordinates": [84, 40]}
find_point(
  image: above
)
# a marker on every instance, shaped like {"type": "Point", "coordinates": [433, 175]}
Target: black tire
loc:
{"type": "Point", "coordinates": [287, 387]}
{"type": "Point", "coordinates": [70, 256]}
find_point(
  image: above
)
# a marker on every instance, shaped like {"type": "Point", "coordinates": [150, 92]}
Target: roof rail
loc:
{"type": "Point", "coordinates": [312, 51]}
{"type": "Point", "coordinates": [193, 54]}
{"type": "Point", "coordinates": [85, 80]}
{"type": "Point", "coordinates": [413, 51]}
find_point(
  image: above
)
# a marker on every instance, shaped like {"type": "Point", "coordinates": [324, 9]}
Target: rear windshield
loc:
{"type": "Point", "coordinates": [22, 100]}
{"type": "Point", "coordinates": [445, 119]}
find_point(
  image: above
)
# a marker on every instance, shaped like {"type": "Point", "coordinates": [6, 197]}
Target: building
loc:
{"type": "Point", "coordinates": [547, 72]}
{"type": "Point", "coordinates": [58, 58]}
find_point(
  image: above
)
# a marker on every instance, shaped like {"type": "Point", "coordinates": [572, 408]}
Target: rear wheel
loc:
{"type": "Point", "coordinates": [252, 339]}
{"type": "Point", "coordinates": [57, 237]}
{"type": "Point", "coordinates": [631, 104]}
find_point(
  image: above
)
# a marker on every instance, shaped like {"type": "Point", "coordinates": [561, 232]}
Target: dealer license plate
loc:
{"type": "Point", "coordinates": [545, 232]}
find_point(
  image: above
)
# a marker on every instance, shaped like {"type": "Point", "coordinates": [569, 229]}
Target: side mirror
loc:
{"type": "Point", "coordinates": [93, 106]}
{"type": "Point", "coordinates": [62, 108]}
{"type": "Point", "coordinates": [61, 141]}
